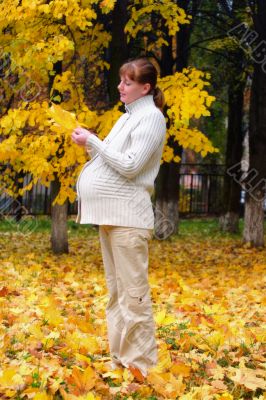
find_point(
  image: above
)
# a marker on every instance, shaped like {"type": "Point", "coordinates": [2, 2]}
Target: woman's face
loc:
{"type": "Point", "coordinates": [131, 90]}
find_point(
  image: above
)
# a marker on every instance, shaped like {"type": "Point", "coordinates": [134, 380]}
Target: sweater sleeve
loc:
{"type": "Point", "coordinates": [91, 151]}
{"type": "Point", "coordinates": [145, 139]}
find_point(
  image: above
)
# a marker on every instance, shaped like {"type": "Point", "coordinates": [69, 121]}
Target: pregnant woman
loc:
{"type": "Point", "coordinates": [114, 191]}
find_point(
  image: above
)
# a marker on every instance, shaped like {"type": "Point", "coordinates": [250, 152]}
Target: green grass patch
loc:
{"type": "Point", "coordinates": [43, 224]}
{"type": "Point", "coordinates": [206, 227]}
{"type": "Point", "coordinates": [202, 227]}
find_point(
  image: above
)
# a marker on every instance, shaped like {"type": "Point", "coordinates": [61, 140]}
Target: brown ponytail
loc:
{"type": "Point", "coordinates": [143, 71]}
{"type": "Point", "coordinates": [158, 97]}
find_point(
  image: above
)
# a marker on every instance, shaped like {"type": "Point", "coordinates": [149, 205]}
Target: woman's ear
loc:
{"type": "Point", "coordinates": [146, 88]}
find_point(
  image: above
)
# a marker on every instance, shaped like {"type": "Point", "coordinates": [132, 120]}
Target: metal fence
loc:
{"type": "Point", "coordinates": [201, 188]}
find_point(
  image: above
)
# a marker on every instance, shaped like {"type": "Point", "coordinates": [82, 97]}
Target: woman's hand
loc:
{"type": "Point", "coordinates": [80, 135]}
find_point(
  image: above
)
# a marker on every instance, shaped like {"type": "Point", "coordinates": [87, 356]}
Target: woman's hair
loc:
{"type": "Point", "coordinates": [143, 71]}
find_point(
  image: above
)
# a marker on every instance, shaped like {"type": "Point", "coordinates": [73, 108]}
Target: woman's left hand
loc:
{"type": "Point", "coordinates": [80, 135]}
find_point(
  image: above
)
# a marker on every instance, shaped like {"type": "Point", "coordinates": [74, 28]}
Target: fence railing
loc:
{"type": "Point", "coordinates": [201, 189]}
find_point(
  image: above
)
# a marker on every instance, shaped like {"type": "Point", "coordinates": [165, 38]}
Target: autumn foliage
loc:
{"type": "Point", "coordinates": [209, 308]}
{"type": "Point", "coordinates": [54, 52]}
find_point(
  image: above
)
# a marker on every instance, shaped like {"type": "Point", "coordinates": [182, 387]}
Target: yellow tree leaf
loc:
{"type": "Point", "coordinates": [248, 378]}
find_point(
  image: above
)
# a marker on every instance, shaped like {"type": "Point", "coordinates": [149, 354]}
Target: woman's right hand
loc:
{"type": "Point", "coordinates": [80, 136]}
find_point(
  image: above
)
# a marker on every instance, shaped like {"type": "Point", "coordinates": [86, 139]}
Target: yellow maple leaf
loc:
{"type": "Point", "coordinates": [82, 381]}
{"type": "Point", "coordinates": [64, 118]}
{"type": "Point", "coordinates": [83, 343]}
{"type": "Point", "coordinates": [88, 396]}
{"type": "Point", "coordinates": [42, 396]}
{"type": "Point", "coordinates": [53, 317]}
{"type": "Point", "coordinates": [7, 377]}
{"type": "Point", "coordinates": [166, 384]}
{"type": "Point", "coordinates": [162, 319]}
{"type": "Point", "coordinates": [180, 368]}
{"type": "Point", "coordinates": [248, 378]}
{"type": "Point", "coordinates": [224, 396]}
{"type": "Point", "coordinates": [81, 357]}
{"type": "Point", "coordinates": [164, 360]}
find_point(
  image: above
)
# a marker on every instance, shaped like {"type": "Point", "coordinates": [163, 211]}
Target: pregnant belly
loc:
{"type": "Point", "coordinates": [86, 184]}
{"type": "Point", "coordinates": [103, 182]}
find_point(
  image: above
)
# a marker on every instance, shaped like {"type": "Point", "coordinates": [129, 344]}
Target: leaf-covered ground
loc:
{"type": "Point", "coordinates": [209, 306]}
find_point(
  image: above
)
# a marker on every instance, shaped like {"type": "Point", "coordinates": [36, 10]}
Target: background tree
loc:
{"type": "Point", "coordinates": [228, 61]}
{"type": "Point", "coordinates": [167, 187]}
{"type": "Point", "coordinates": [39, 36]}
{"type": "Point", "coordinates": [256, 176]}
{"type": "Point", "coordinates": [251, 37]}
{"type": "Point", "coordinates": [59, 240]}
{"type": "Point", "coordinates": [118, 48]}
{"type": "Point", "coordinates": [51, 60]}
{"type": "Point", "coordinates": [164, 34]}
{"type": "Point", "coordinates": [235, 63]}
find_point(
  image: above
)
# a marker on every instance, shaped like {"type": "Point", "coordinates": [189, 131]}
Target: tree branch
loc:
{"type": "Point", "coordinates": [206, 40]}
{"type": "Point", "coordinates": [75, 52]}
{"type": "Point", "coordinates": [212, 21]}
{"type": "Point", "coordinates": [215, 52]}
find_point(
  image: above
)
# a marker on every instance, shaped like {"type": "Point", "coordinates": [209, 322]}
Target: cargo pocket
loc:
{"type": "Point", "coordinates": [137, 297]}
{"type": "Point", "coordinates": [140, 237]}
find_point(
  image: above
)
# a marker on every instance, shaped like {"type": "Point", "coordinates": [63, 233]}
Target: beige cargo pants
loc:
{"type": "Point", "coordinates": [130, 323]}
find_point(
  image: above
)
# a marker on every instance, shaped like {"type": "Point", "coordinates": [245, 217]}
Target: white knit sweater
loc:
{"type": "Point", "coordinates": [115, 185]}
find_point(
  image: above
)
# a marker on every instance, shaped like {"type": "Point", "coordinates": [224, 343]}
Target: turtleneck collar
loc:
{"type": "Point", "coordinates": [139, 103]}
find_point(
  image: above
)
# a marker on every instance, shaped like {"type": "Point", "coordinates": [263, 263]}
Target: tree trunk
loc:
{"type": "Point", "coordinates": [256, 185]}
{"type": "Point", "coordinates": [59, 240]}
{"type": "Point", "coordinates": [166, 193]}
{"type": "Point", "coordinates": [19, 200]}
{"type": "Point", "coordinates": [254, 218]}
{"type": "Point", "coordinates": [229, 221]}
{"type": "Point", "coordinates": [118, 48]}
{"type": "Point", "coordinates": [183, 35]}
{"type": "Point", "coordinates": [255, 181]}
{"type": "Point", "coordinates": [167, 182]}
{"type": "Point", "coordinates": [166, 200]}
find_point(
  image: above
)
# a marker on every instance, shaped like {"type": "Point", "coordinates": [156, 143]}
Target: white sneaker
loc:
{"type": "Point", "coordinates": [114, 365]}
